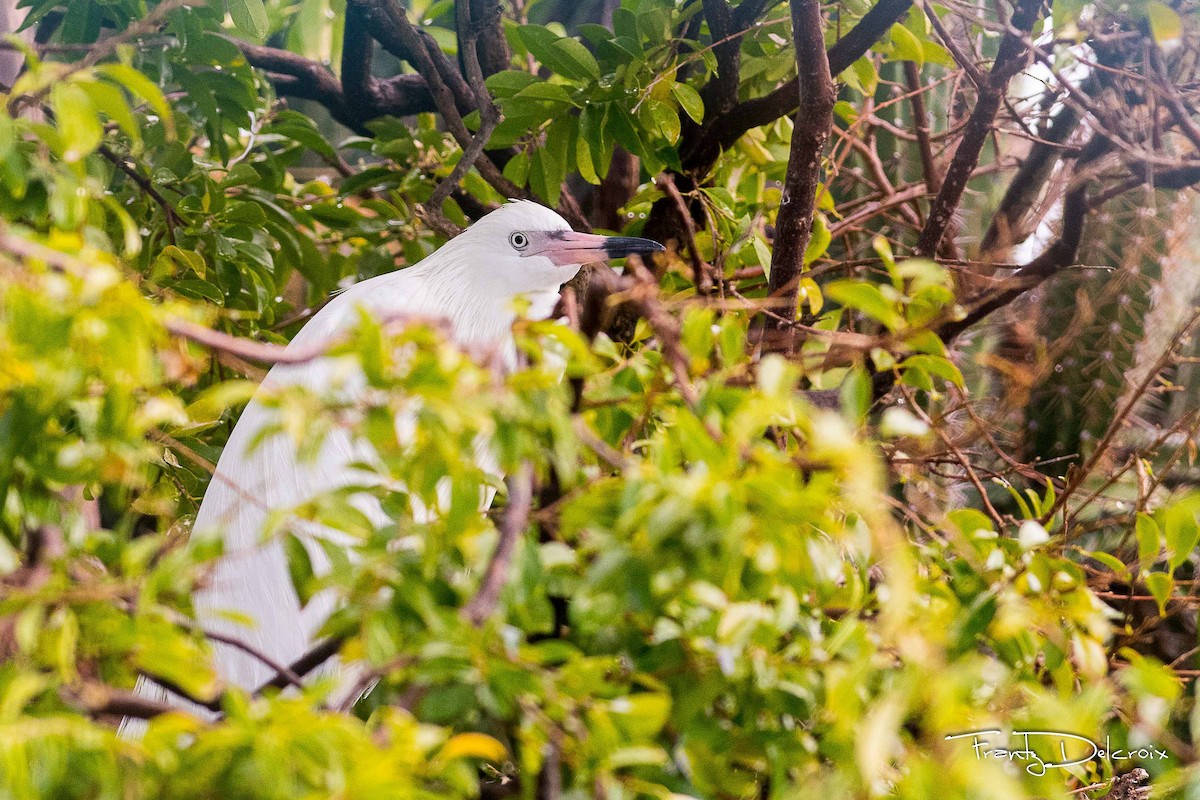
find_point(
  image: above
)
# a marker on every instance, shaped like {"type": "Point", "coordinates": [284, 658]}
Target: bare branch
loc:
{"type": "Point", "coordinates": [490, 41]}
{"type": "Point", "coordinates": [1028, 181]}
{"type": "Point", "coordinates": [700, 274]}
{"type": "Point", "coordinates": [282, 671]}
{"type": "Point", "coordinates": [357, 53]}
{"type": "Point", "coordinates": [1010, 59]}
{"type": "Point", "coordinates": [489, 115]}
{"type": "Point", "coordinates": [966, 64]}
{"type": "Point", "coordinates": [1179, 111]}
{"type": "Point", "coordinates": [273, 353]}
{"type": "Point", "coordinates": [101, 700]}
{"type": "Point", "coordinates": [794, 223]}
{"type": "Point", "coordinates": [512, 526]}
{"type": "Point", "coordinates": [173, 219]}
{"type": "Point", "coordinates": [1056, 257]}
{"type": "Point", "coordinates": [317, 655]}
{"type": "Point", "coordinates": [720, 94]}
{"type": "Point", "coordinates": [296, 76]}
{"type": "Point", "coordinates": [699, 155]}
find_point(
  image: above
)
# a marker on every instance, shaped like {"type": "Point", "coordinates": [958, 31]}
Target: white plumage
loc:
{"type": "Point", "coordinates": [521, 249]}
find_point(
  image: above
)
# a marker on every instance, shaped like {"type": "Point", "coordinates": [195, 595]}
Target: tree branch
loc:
{"type": "Point", "coordinates": [516, 519]}
{"type": "Point", "coordinates": [1054, 258]}
{"type": "Point", "coordinates": [699, 155]}
{"type": "Point", "coordinates": [296, 76]}
{"type": "Point", "coordinates": [357, 53]}
{"type": "Point", "coordinates": [1028, 181]}
{"type": "Point", "coordinates": [491, 46]}
{"type": "Point", "coordinates": [100, 700]}
{"type": "Point", "coordinates": [794, 223]}
{"type": "Point", "coordinates": [948, 41]}
{"type": "Point", "coordinates": [721, 92]}
{"type": "Point", "coordinates": [144, 183]}
{"type": "Point", "coordinates": [1010, 59]}
{"type": "Point", "coordinates": [1179, 111]}
{"type": "Point", "coordinates": [395, 32]}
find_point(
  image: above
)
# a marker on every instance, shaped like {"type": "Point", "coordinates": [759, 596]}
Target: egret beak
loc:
{"type": "Point", "coordinates": [568, 247]}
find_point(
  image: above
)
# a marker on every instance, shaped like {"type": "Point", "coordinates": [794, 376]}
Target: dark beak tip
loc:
{"type": "Point", "coordinates": [621, 246]}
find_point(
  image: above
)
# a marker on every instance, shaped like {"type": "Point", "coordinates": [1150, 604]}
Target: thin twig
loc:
{"type": "Point", "coordinates": [512, 526]}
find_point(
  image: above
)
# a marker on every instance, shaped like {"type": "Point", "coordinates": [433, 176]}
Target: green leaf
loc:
{"type": "Point", "coordinates": [862, 76]}
{"type": "Point", "coordinates": [139, 85]}
{"type": "Point", "coordinates": [76, 119]}
{"type": "Point", "coordinates": [1181, 530]}
{"type": "Point", "coordinates": [509, 82]}
{"type": "Point", "coordinates": [936, 365]}
{"type": "Point", "coordinates": [177, 258]}
{"type": "Point", "coordinates": [906, 46]}
{"type": "Point", "coordinates": [566, 57]}
{"type": "Point", "coordinates": [689, 100]}
{"type": "Point", "coordinates": [660, 117]}
{"type": "Point", "coordinates": [583, 160]}
{"type": "Point", "coordinates": [1112, 562]}
{"type": "Point", "coordinates": [517, 168]}
{"type": "Point", "coordinates": [1149, 540]}
{"type": "Point", "coordinates": [818, 242]}
{"type": "Point", "coordinates": [108, 98]}
{"type": "Point", "coordinates": [249, 16]}
{"type": "Point", "coordinates": [578, 55]}
{"type": "Point", "coordinates": [555, 153]}
{"type": "Point", "coordinates": [547, 92]}
{"type": "Point", "coordinates": [1165, 24]}
{"type": "Point", "coordinates": [300, 568]}
{"type": "Point", "coordinates": [856, 394]}
{"type": "Point", "coordinates": [867, 298]}
{"type": "Point", "coordinates": [1160, 586]}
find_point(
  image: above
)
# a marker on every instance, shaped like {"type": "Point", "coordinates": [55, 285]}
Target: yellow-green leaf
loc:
{"type": "Point", "coordinates": [1165, 25]}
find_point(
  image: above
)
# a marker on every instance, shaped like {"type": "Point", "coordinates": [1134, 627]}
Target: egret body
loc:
{"type": "Point", "coordinates": [520, 249]}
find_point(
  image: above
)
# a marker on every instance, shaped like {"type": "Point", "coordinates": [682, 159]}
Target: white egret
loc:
{"type": "Point", "coordinates": [520, 249]}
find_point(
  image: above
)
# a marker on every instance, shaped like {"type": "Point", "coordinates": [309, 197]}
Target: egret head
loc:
{"type": "Point", "coordinates": [525, 247]}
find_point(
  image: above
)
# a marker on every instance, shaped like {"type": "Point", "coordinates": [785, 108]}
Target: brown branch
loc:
{"type": "Point", "coordinates": [1003, 230]}
{"type": "Point", "coordinates": [721, 92]}
{"type": "Point", "coordinates": [1010, 59]}
{"type": "Point", "coordinates": [282, 671]}
{"type": "Point", "coordinates": [966, 64]}
{"type": "Point", "coordinates": [699, 156]}
{"type": "Point", "coordinates": [512, 526]}
{"type": "Point", "coordinates": [101, 700]}
{"type": "Point", "coordinates": [317, 655]}
{"type": "Point", "coordinates": [300, 77]}
{"type": "Point", "coordinates": [700, 276]}
{"type": "Point", "coordinates": [929, 168]}
{"type": "Point", "coordinates": [490, 42]}
{"type": "Point", "coordinates": [296, 76]}
{"type": "Point", "coordinates": [273, 353]}
{"type": "Point", "coordinates": [451, 92]}
{"type": "Point", "coordinates": [959, 456]}
{"type": "Point", "coordinates": [1129, 786]}
{"type": "Point", "coordinates": [794, 223]}
{"type": "Point", "coordinates": [870, 209]}
{"type": "Point", "coordinates": [357, 53]}
{"type": "Point", "coordinates": [391, 27]}
{"type": "Point", "coordinates": [1179, 111]}
{"type": "Point", "coordinates": [916, 97]}
{"type": "Point", "coordinates": [748, 12]}
{"type": "Point", "coordinates": [1056, 257]}
{"type": "Point", "coordinates": [173, 219]}
{"type": "Point", "coordinates": [489, 115]}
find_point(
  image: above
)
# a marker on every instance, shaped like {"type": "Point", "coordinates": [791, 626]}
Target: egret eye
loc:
{"type": "Point", "coordinates": [518, 240]}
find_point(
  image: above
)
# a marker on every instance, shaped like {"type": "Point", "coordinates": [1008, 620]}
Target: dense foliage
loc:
{"type": "Point", "coordinates": [720, 586]}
